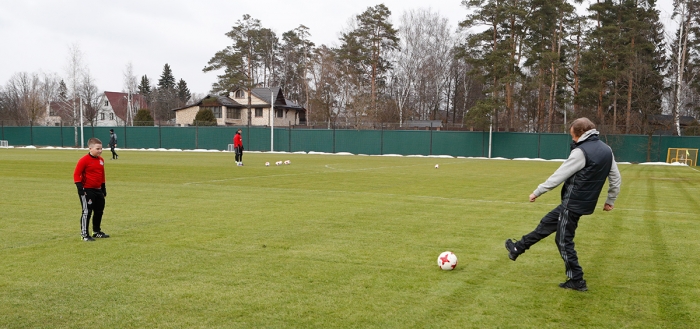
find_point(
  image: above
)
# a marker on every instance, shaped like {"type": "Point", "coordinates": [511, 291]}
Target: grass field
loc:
{"type": "Point", "coordinates": [335, 242]}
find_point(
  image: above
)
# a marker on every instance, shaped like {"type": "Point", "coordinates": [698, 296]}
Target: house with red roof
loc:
{"type": "Point", "coordinates": [115, 108]}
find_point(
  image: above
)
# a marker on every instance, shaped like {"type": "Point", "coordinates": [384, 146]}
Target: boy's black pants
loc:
{"type": "Point", "coordinates": [92, 201]}
{"type": "Point", "coordinates": [239, 154]}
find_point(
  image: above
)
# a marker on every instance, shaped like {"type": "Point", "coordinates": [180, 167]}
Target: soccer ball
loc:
{"type": "Point", "coordinates": [287, 162]}
{"type": "Point", "coordinates": [437, 166]}
{"type": "Point", "coordinates": [267, 164]}
{"type": "Point", "coordinates": [447, 261]}
{"type": "Point", "coordinates": [278, 163]}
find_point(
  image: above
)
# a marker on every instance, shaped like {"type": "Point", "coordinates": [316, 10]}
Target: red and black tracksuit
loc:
{"type": "Point", "coordinates": [89, 178]}
{"type": "Point", "coordinates": [238, 147]}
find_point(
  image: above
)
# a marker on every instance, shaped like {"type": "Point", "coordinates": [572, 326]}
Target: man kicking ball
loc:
{"type": "Point", "coordinates": [590, 162]}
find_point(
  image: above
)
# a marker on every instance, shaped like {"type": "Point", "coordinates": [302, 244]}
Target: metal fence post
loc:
{"type": "Point", "coordinates": [31, 132]}
{"type": "Point", "coordinates": [431, 139]}
{"type": "Point", "coordinates": [196, 134]}
{"type": "Point", "coordinates": [381, 141]}
{"type": "Point", "coordinates": [289, 139]}
{"type": "Point", "coordinates": [160, 136]}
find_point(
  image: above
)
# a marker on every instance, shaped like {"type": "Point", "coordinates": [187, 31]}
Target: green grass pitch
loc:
{"type": "Point", "coordinates": [336, 242]}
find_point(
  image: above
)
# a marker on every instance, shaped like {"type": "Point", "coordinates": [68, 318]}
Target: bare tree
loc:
{"type": "Point", "coordinates": [130, 88]}
{"type": "Point", "coordinates": [23, 91]}
{"type": "Point", "coordinates": [49, 89]}
{"type": "Point", "coordinates": [91, 97]}
{"type": "Point", "coordinates": [421, 79]}
{"type": "Point", "coordinates": [74, 71]}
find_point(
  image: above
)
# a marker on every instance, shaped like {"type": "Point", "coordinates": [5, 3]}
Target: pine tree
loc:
{"type": "Point", "coordinates": [183, 93]}
{"type": "Point", "coordinates": [294, 54]}
{"type": "Point", "coordinates": [240, 60]}
{"type": "Point", "coordinates": [495, 53]}
{"type": "Point", "coordinates": [366, 46]}
{"type": "Point", "coordinates": [166, 94]}
{"type": "Point", "coordinates": [62, 91]}
{"type": "Point", "coordinates": [145, 89]}
{"type": "Point", "coordinates": [167, 80]}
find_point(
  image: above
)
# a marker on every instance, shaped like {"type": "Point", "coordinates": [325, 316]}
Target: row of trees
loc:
{"type": "Point", "coordinates": [35, 97]}
{"type": "Point", "coordinates": [165, 96]}
{"type": "Point", "coordinates": [524, 65]}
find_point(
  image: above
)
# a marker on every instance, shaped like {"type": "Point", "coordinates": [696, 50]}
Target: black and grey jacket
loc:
{"type": "Point", "coordinates": [112, 139]}
{"type": "Point", "coordinates": [590, 162]}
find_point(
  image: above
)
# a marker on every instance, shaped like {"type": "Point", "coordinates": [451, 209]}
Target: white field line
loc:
{"type": "Point", "coordinates": [332, 170]}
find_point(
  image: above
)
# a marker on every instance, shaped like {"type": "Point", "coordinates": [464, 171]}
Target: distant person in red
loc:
{"type": "Point", "coordinates": [89, 178]}
{"type": "Point", "coordinates": [238, 148]}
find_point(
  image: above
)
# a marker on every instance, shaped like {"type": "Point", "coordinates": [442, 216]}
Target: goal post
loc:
{"type": "Point", "coordinates": [3, 143]}
{"type": "Point", "coordinates": [230, 148]}
{"type": "Point", "coordinates": [685, 156]}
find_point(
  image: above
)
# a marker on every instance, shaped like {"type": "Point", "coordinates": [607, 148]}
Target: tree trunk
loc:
{"type": "Point", "coordinates": [630, 81]}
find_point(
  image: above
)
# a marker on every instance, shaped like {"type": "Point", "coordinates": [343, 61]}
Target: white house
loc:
{"type": "Point", "coordinates": [232, 110]}
{"type": "Point", "coordinates": [114, 109]}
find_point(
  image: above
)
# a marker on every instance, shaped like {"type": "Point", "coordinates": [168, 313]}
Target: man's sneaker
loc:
{"type": "Point", "coordinates": [513, 252]}
{"type": "Point", "coordinates": [579, 285]}
{"type": "Point", "coordinates": [88, 239]}
{"type": "Point", "coordinates": [100, 235]}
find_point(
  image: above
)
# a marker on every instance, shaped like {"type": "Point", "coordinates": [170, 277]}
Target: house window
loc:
{"type": "Point", "coordinates": [215, 109]}
{"type": "Point", "coordinates": [258, 112]}
{"type": "Point", "coordinates": [280, 113]}
{"type": "Point", "coordinates": [233, 113]}
{"type": "Point", "coordinates": [102, 116]}
{"type": "Point", "coordinates": [111, 116]}
{"type": "Point", "coordinates": [240, 94]}
{"type": "Point", "coordinates": [106, 103]}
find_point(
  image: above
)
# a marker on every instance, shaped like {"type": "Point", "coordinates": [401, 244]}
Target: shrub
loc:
{"type": "Point", "coordinates": [143, 118]}
{"type": "Point", "coordinates": [205, 117]}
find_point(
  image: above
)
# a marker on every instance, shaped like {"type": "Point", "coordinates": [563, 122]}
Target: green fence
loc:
{"type": "Point", "coordinates": [631, 148]}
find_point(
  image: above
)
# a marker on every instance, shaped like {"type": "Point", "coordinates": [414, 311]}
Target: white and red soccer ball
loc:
{"type": "Point", "coordinates": [287, 162]}
{"type": "Point", "coordinates": [447, 261]}
{"type": "Point", "coordinates": [267, 164]}
{"type": "Point", "coordinates": [437, 166]}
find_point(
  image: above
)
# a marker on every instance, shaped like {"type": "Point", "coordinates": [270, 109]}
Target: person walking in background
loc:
{"type": "Point", "coordinates": [89, 178]}
{"type": "Point", "coordinates": [584, 173]}
{"type": "Point", "coordinates": [113, 144]}
{"type": "Point", "coordinates": [238, 147]}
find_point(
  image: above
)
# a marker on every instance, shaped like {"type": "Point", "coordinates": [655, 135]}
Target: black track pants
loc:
{"type": "Point", "coordinates": [92, 201]}
{"type": "Point", "coordinates": [239, 154]}
{"type": "Point", "coordinates": [114, 154]}
{"type": "Point", "coordinates": [564, 223]}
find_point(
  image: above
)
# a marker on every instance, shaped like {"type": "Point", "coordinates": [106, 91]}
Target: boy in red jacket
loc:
{"type": "Point", "coordinates": [238, 147]}
{"type": "Point", "coordinates": [89, 177]}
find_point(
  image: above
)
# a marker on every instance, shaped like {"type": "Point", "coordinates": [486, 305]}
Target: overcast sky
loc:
{"type": "Point", "coordinates": [36, 34]}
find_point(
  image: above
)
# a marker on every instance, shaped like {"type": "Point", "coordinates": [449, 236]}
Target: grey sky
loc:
{"type": "Point", "coordinates": [36, 34]}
